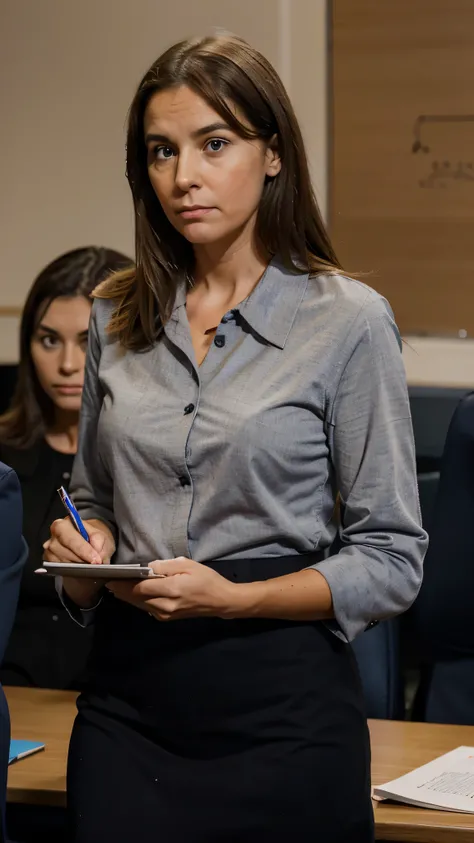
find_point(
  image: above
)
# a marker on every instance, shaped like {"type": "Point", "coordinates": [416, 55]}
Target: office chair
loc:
{"type": "Point", "coordinates": [378, 657]}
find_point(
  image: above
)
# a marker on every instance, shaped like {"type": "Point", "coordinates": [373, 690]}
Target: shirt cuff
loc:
{"type": "Point", "coordinates": [83, 617]}
{"type": "Point", "coordinates": [347, 623]}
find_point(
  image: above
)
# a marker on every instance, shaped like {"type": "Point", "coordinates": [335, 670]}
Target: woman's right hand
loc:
{"type": "Point", "coordinates": [67, 545]}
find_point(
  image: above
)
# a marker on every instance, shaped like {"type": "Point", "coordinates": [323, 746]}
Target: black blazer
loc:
{"type": "Point", "coordinates": [12, 559]}
{"type": "Point", "coordinates": [47, 649]}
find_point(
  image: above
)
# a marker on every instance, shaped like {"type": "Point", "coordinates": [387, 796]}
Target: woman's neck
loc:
{"type": "Point", "coordinates": [62, 434]}
{"type": "Point", "coordinates": [228, 274]}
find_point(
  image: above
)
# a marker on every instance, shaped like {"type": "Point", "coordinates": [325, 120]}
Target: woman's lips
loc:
{"type": "Point", "coordinates": [194, 213]}
{"type": "Point", "coordinates": [68, 390]}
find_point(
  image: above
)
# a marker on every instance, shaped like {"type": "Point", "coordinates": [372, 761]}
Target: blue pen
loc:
{"type": "Point", "coordinates": [73, 513]}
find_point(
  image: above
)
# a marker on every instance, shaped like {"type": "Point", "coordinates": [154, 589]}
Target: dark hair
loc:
{"type": "Point", "coordinates": [224, 70]}
{"type": "Point", "coordinates": [75, 273]}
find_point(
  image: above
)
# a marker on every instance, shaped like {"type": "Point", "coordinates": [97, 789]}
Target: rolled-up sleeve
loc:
{"type": "Point", "coordinates": [91, 484]}
{"type": "Point", "coordinates": [83, 617]}
{"type": "Point", "coordinates": [378, 570]}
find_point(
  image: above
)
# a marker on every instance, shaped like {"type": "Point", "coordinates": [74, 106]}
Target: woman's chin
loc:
{"type": "Point", "coordinates": [197, 235]}
{"type": "Point", "coordinates": [71, 403]}
{"type": "Point", "coordinates": [206, 235]}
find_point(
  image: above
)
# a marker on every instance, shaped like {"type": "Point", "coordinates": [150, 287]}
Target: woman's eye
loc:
{"type": "Point", "coordinates": [216, 144]}
{"type": "Point", "coordinates": [162, 153]}
{"type": "Point", "coordinates": [49, 342]}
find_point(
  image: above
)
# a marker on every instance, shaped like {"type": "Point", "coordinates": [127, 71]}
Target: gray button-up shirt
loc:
{"type": "Point", "coordinates": [302, 395]}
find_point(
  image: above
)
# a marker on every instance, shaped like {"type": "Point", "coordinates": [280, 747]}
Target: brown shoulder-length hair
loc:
{"type": "Point", "coordinates": [227, 73]}
{"type": "Point", "coordinates": [75, 273]}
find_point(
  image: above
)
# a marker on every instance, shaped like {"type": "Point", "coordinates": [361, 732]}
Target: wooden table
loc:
{"type": "Point", "coordinates": [396, 749]}
{"type": "Point", "coordinates": [46, 716]}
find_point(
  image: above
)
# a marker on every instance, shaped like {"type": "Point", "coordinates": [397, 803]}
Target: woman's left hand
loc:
{"type": "Point", "coordinates": [187, 590]}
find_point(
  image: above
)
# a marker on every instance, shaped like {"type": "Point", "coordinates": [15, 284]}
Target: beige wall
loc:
{"type": "Point", "coordinates": [69, 71]}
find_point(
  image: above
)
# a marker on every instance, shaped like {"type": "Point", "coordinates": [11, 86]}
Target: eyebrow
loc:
{"type": "Point", "coordinates": [206, 130]}
{"type": "Point", "coordinates": [43, 327]}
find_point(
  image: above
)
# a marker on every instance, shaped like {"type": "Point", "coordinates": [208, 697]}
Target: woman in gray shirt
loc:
{"type": "Point", "coordinates": [236, 383]}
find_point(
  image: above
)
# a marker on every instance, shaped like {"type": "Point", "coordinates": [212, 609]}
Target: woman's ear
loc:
{"type": "Point", "coordinates": [272, 158]}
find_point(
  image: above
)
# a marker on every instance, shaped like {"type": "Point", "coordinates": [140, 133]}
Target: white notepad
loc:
{"type": "Point", "coordinates": [446, 784]}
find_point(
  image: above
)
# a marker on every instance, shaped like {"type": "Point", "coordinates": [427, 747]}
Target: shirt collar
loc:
{"type": "Point", "coordinates": [271, 307]}
{"type": "Point", "coordinates": [181, 292]}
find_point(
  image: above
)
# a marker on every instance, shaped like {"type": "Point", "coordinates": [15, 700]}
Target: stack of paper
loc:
{"type": "Point", "coordinates": [447, 783]}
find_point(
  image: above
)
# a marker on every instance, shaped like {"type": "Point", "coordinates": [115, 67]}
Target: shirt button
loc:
{"type": "Point", "coordinates": [66, 475]}
{"type": "Point", "coordinates": [228, 317]}
{"type": "Point", "coordinates": [188, 409]}
{"type": "Point", "coordinates": [219, 341]}
{"type": "Point", "coordinates": [184, 481]}
{"type": "Point", "coordinates": [55, 618]}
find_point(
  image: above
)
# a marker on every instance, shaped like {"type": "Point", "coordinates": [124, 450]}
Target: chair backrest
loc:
{"type": "Point", "coordinates": [432, 409]}
{"type": "Point", "coordinates": [428, 482]}
{"type": "Point", "coordinates": [446, 693]}
{"type": "Point", "coordinates": [378, 657]}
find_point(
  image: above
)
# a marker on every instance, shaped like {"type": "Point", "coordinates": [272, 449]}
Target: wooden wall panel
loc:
{"type": "Point", "coordinates": [402, 150]}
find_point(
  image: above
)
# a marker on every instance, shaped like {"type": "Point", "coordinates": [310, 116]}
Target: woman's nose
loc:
{"type": "Point", "coordinates": [187, 171]}
{"type": "Point", "coordinates": [72, 359]}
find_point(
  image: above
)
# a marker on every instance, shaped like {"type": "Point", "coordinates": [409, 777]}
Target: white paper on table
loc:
{"type": "Point", "coordinates": [447, 783]}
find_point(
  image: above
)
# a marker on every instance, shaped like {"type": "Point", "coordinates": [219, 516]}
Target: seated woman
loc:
{"type": "Point", "coordinates": [12, 559]}
{"type": "Point", "coordinates": [38, 438]}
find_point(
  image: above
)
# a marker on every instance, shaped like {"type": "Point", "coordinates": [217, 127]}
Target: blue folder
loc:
{"type": "Point", "coordinates": [20, 749]}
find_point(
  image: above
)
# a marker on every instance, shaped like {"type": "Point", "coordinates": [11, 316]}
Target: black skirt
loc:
{"type": "Point", "coordinates": [220, 731]}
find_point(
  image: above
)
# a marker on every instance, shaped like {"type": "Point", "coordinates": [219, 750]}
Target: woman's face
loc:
{"type": "Point", "coordinates": [58, 350]}
{"type": "Point", "coordinates": [208, 180]}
